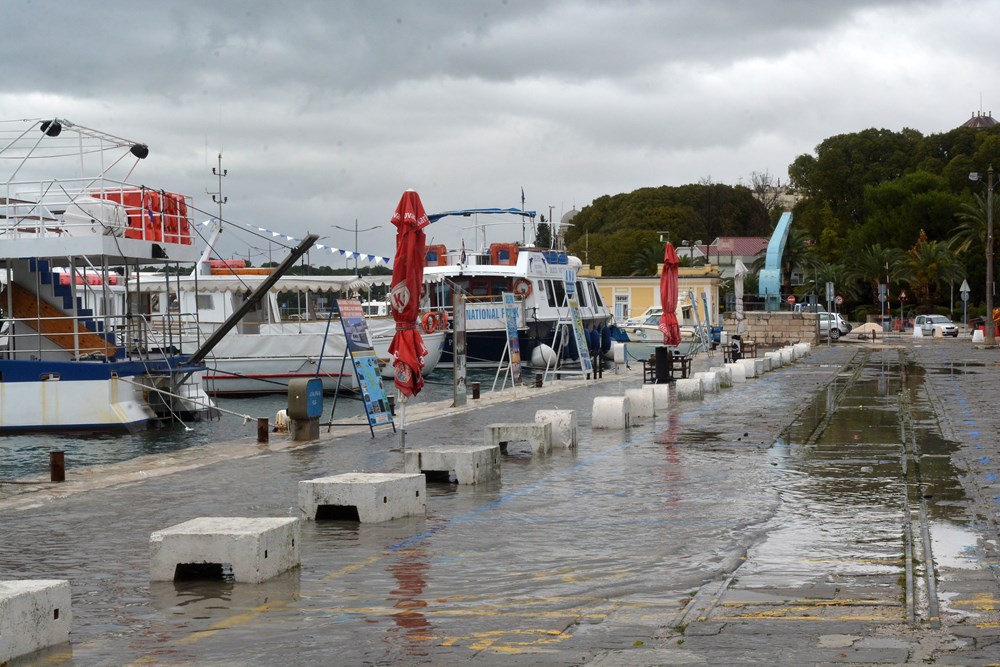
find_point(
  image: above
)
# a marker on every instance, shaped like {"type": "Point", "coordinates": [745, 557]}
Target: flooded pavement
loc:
{"type": "Point", "coordinates": [839, 510]}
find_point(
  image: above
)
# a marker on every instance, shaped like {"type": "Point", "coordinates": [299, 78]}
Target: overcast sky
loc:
{"type": "Point", "coordinates": [326, 111]}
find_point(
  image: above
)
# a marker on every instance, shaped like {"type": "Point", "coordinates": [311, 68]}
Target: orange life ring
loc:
{"type": "Point", "coordinates": [522, 288]}
{"type": "Point", "coordinates": [429, 322]}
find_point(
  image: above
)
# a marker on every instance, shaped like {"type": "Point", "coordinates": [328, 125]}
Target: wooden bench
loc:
{"type": "Point", "coordinates": [678, 365]}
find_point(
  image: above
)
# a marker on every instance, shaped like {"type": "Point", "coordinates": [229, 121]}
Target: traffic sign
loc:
{"type": "Point", "coordinates": [964, 290]}
{"type": "Point", "coordinates": [902, 295]}
{"type": "Point", "coordinates": [839, 300]}
{"type": "Point", "coordinates": [791, 298]}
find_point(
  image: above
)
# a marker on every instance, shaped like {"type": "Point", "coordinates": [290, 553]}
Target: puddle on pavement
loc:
{"type": "Point", "coordinates": [842, 486]}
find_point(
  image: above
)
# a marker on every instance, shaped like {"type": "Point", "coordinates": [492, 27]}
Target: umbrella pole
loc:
{"type": "Point", "coordinates": [402, 419]}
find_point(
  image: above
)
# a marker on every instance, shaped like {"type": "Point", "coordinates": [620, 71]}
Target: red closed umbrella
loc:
{"type": "Point", "coordinates": [668, 297]}
{"type": "Point", "coordinates": [407, 346]}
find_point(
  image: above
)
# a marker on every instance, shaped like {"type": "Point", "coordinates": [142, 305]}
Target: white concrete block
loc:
{"type": "Point", "coordinates": [375, 496]}
{"type": "Point", "coordinates": [774, 358]}
{"type": "Point", "coordinates": [725, 376]}
{"type": "Point", "coordinates": [787, 356]}
{"type": "Point", "coordinates": [688, 389]}
{"type": "Point", "coordinates": [749, 367]}
{"type": "Point", "coordinates": [256, 548]}
{"type": "Point", "coordinates": [918, 332]}
{"type": "Point", "coordinates": [34, 613]}
{"type": "Point", "coordinates": [761, 366]}
{"type": "Point", "coordinates": [737, 372]}
{"type": "Point", "coordinates": [563, 426]}
{"type": "Point", "coordinates": [709, 382]}
{"type": "Point", "coordinates": [661, 397]}
{"type": "Point", "coordinates": [978, 336]}
{"type": "Point", "coordinates": [805, 348]}
{"type": "Point", "coordinates": [538, 435]}
{"type": "Point", "coordinates": [641, 401]}
{"type": "Point", "coordinates": [611, 412]}
{"type": "Point", "coordinates": [464, 465]}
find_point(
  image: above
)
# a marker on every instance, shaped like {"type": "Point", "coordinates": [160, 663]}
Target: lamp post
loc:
{"type": "Point", "coordinates": [988, 324]}
{"type": "Point", "coordinates": [356, 230]}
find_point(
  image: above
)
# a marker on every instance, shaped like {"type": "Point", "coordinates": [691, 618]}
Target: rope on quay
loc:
{"type": "Point", "coordinates": [246, 418]}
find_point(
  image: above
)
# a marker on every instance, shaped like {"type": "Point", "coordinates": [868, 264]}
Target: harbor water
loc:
{"type": "Point", "coordinates": [27, 455]}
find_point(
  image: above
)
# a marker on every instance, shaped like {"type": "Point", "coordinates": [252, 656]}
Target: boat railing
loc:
{"type": "Point", "coordinates": [92, 206]}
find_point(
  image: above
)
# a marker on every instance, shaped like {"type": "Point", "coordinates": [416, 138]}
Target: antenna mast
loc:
{"type": "Point", "coordinates": [217, 195]}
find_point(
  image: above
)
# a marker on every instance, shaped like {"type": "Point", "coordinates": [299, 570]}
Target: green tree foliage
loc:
{"type": "Point", "coordinates": [543, 235]}
{"type": "Point", "coordinates": [698, 211]}
{"type": "Point", "coordinates": [930, 265]}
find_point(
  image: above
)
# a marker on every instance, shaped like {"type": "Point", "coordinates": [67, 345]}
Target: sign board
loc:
{"type": "Point", "coordinates": [580, 336]}
{"type": "Point", "coordinates": [364, 361]}
{"type": "Point", "coordinates": [458, 348]}
{"type": "Point", "coordinates": [902, 295]}
{"type": "Point", "coordinates": [791, 298]}
{"type": "Point", "coordinates": [881, 292]}
{"type": "Point", "coordinates": [510, 308]}
{"type": "Point", "coordinates": [830, 292]}
{"type": "Point", "coordinates": [839, 300]}
{"type": "Point", "coordinates": [964, 290]}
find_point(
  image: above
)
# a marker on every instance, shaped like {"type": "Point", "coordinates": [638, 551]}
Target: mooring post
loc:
{"type": "Point", "coordinates": [262, 430]}
{"type": "Point", "coordinates": [57, 466]}
{"type": "Point", "coordinates": [475, 390]}
{"type": "Point", "coordinates": [538, 379]}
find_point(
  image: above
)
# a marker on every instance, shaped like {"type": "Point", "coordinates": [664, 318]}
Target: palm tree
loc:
{"type": "Point", "coordinates": [930, 263]}
{"type": "Point", "coordinates": [647, 260]}
{"type": "Point", "coordinates": [971, 233]}
{"type": "Point", "coordinates": [874, 265]}
{"type": "Point", "coordinates": [823, 273]}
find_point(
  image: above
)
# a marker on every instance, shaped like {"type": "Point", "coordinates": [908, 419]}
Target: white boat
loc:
{"type": "Point", "coordinates": [292, 332]}
{"type": "Point", "coordinates": [74, 357]}
{"type": "Point", "coordinates": [543, 282]}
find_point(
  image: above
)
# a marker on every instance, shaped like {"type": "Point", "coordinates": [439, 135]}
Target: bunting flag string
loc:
{"type": "Point", "coordinates": [350, 254]}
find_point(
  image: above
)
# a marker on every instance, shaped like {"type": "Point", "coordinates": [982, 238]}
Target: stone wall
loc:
{"type": "Point", "coordinates": [776, 329]}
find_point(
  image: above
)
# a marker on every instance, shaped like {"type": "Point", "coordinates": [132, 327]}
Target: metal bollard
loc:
{"type": "Point", "coordinates": [392, 405]}
{"type": "Point", "coordinates": [262, 430]}
{"type": "Point", "coordinates": [475, 390]}
{"type": "Point", "coordinates": [538, 379]}
{"type": "Point", "coordinates": [57, 466]}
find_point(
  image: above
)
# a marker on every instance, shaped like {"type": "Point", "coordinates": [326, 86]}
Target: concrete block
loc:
{"type": "Point", "coordinates": [563, 426]}
{"type": "Point", "coordinates": [34, 613]}
{"type": "Point", "coordinates": [787, 356]}
{"type": "Point", "coordinates": [725, 376]}
{"type": "Point", "coordinates": [774, 358]}
{"type": "Point", "coordinates": [978, 336]}
{"type": "Point", "coordinates": [641, 402]}
{"type": "Point", "coordinates": [803, 349]}
{"type": "Point", "coordinates": [538, 435]}
{"type": "Point", "coordinates": [749, 366]}
{"type": "Point", "coordinates": [661, 397]}
{"type": "Point", "coordinates": [463, 465]}
{"type": "Point", "coordinates": [255, 549]}
{"type": "Point", "coordinates": [709, 382]}
{"type": "Point", "coordinates": [611, 412]}
{"type": "Point", "coordinates": [689, 389]}
{"type": "Point", "coordinates": [368, 497]}
{"type": "Point", "coordinates": [737, 372]}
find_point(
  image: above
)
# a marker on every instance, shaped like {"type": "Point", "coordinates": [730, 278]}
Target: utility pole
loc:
{"type": "Point", "coordinates": [990, 326]}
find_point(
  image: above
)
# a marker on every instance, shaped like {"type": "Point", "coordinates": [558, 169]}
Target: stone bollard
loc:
{"type": "Point", "coordinates": [563, 426]}
{"type": "Point", "coordinates": [611, 412]}
{"type": "Point", "coordinates": [641, 401]}
{"type": "Point", "coordinates": [688, 389]}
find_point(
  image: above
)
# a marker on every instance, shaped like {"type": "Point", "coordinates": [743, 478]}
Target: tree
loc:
{"type": "Point", "coordinates": [647, 260]}
{"type": "Point", "coordinates": [543, 235]}
{"type": "Point", "coordinates": [766, 188]}
{"type": "Point", "coordinates": [874, 265]}
{"type": "Point", "coordinates": [929, 264]}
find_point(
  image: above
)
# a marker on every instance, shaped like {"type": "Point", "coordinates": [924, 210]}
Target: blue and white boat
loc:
{"type": "Point", "coordinates": [74, 355]}
{"type": "Point", "coordinates": [543, 282]}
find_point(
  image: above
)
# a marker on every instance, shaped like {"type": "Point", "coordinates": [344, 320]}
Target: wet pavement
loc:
{"type": "Point", "coordinates": [842, 510]}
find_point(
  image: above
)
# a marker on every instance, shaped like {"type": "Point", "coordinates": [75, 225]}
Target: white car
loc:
{"type": "Point", "coordinates": [929, 323]}
{"type": "Point", "coordinates": [836, 327]}
{"type": "Point", "coordinates": [644, 318]}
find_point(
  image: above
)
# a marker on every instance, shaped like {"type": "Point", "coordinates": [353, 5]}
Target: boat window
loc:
{"type": "Point", "coordinates": [596, 296]}
{"type": "Point", "coordinates": [499, 286]}
{"type": "Point", "coordinates": [205, 302]}
{"type": "Point", "coordinates": [560, 293]}
{"type": "Point", "coordinates": [581, 294]}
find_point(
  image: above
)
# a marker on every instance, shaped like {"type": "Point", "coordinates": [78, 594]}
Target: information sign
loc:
{"type": "Point", "coordinates": [364, 361]}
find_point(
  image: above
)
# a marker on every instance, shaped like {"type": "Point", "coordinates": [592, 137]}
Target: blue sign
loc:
{"type": "Point", "coordinates": [314, 398]}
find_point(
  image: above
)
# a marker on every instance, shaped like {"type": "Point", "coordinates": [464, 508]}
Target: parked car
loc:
{"type": "Point", "coordinates": [834, 325]}
{"type": "Point", "coordinates": [929, 323]}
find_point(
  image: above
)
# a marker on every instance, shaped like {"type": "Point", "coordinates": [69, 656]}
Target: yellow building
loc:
{"type": "Point", "coordinates": [631, 296]}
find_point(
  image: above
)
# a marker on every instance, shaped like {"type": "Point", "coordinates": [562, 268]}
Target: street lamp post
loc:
{"type": "Point", "coordinates": [356, 230]}
{"type": "Point", "coordinates": [988, 325]}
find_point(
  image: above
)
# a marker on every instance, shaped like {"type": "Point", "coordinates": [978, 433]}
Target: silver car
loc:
{"type": "Point", "coordinates": [928, 324]}
{"type": "Point", "coordinates": [833, 324]}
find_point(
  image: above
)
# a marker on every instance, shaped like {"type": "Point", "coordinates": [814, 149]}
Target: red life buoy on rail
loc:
{"type": "Point", "coordinates": [429, 323]}
{"type": "Point", "coordinates": [522, 288]}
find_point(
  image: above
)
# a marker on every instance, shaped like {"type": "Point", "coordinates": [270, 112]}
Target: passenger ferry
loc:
{"type": "Point", "coordinates": [544, 282]}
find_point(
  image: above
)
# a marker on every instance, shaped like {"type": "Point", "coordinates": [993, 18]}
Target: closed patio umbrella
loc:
{"type": "Point", "coordinates": [407, 346]}
{"type": "Point", "coordinates": [739, 273]}
{"type": "Point", "coordinates": [668, 298]}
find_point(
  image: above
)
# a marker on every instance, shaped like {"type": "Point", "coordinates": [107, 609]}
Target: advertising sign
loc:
{"type": "Point", "coordinates": [364, 361]}
{"type": "Point", "coordinates": [510, 309]}
{"type": "Point", "coordinates": [580, 336]}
